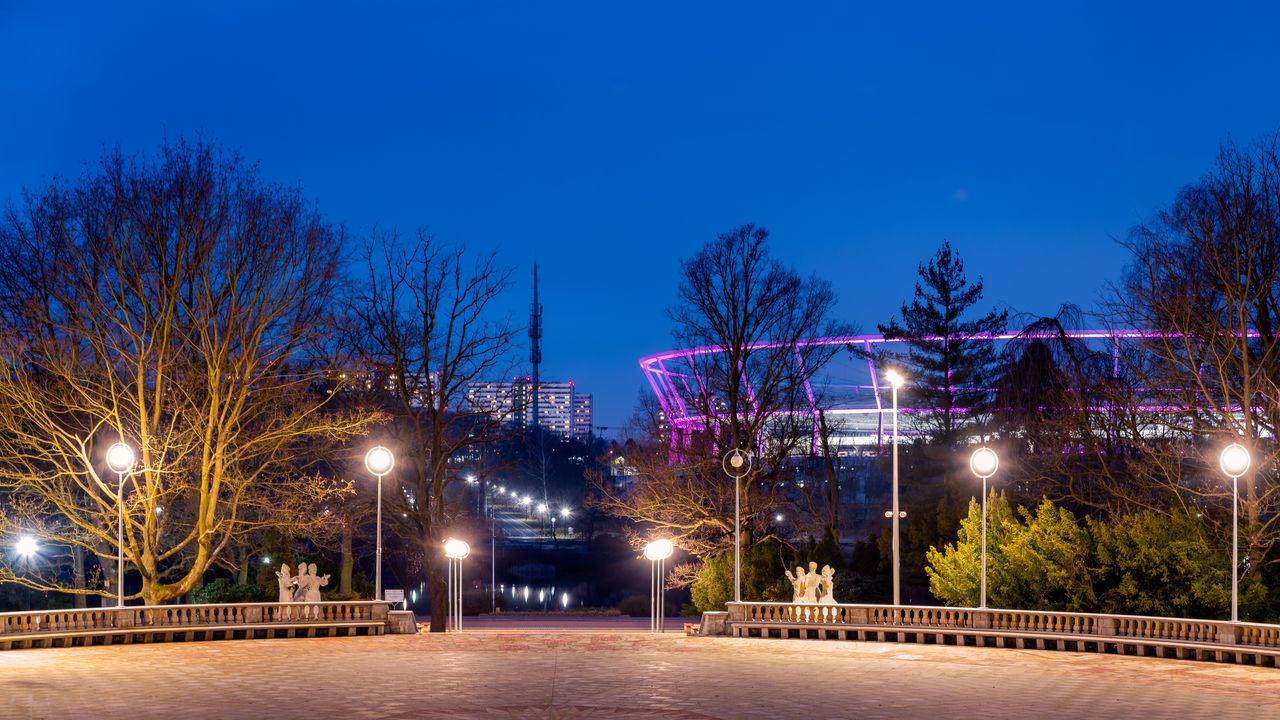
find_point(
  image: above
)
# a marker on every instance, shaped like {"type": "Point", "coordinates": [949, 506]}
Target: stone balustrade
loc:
{"type": "Point", "coordinates": [133, 623]}
{"type": "Point", "coordinates": [1253, 643]}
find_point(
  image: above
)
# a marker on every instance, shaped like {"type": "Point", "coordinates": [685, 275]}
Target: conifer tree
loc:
{"type": "Point", "coordinates": [949, 369]}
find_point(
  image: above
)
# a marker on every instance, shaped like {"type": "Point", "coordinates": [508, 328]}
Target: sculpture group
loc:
{"type": "Point", "coordinates": [303, 587]}
{"type": "Point", "coordinates": [812, 586]}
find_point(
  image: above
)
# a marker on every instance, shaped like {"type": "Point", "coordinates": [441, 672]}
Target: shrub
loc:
{"type": "Point", "coordinates": [223, 590]}
{"type": "Point", "coordinates": [635, 605]}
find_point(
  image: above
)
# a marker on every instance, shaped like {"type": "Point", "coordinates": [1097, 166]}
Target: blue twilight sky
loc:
{"type": "Point", "coordinates": [610, 140]}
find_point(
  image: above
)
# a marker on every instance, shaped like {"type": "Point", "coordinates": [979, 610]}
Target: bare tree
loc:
{"type": "Point", "coordinates": [751, 391]}
{"type": "Point", "coordinates": [424, 322]}
{"type": "Point", "coordinates": [1206, 278]}
{"type": "Point", "coordinates": [176, 304]}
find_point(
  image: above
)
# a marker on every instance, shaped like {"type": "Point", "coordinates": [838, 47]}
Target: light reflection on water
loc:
{"type": "Point", "coordinates": [529, 597]}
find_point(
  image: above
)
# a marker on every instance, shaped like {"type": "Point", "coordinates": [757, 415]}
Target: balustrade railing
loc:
{"type": "Point", "coordinates": [190, 616]}
{"type": "Point", "coordinates": [1029, 622]}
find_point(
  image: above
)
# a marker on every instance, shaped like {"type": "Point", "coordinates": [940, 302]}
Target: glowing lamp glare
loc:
{"type": "Point", "coordinates": [984, 462]}
{"type": "Point", "coordinates": [660, 549]}
{"type": "Point", "coordinates": [1234, 460]}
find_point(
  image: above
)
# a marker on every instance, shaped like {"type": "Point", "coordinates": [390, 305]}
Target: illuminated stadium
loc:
{"type": "Point", "coordinates": [853, 383]}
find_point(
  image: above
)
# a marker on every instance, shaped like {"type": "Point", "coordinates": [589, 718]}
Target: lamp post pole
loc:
{"type": "Point", "coordinates": [1235, 548]}
{"type": "Point", "coordinates": [379, 462]}
{"type": "Point", "coordinates": [1235, 461]}
{"type": "Point", "coordinates": [493, 560]}
{"type": "Point", "coordinates": [455, 550]}
{"type": "Point", "coordinates": [120, 458]}
{"type": "Point", "coordinates": [983, 463]}
{"type": "Point", "coordinates": [657, 552]}
{"type": "Point", "coordinates": [737, 464]}
{"type": "Point", "coordinates": [895, 381]}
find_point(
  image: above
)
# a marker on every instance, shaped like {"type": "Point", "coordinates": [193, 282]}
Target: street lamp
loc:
{"type": "Point", "coordinates": [737, 464]}
{"type": "Point", "coordinates": [120, 460]}
{"type": "Point", "coordinates": [983, 463]}
{"type": "Point", "coordinates": [1235, 461]}
{"type": "Point", "coordinates": [657, 552]}
{"type": "Point", "coordinates": [455, 550]}
{"type": "Point", "coordinates": [895, 381]}
{"type": "Point", "coordinates": [26, 546]}
{"type": "Point", "coordinates": [379, 462]}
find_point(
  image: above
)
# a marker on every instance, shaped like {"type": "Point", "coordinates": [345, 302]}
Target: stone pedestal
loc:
{"type": "Point", "coordinates": [714, 623]}
{"type": "Point", "coordinates": [402, 622]}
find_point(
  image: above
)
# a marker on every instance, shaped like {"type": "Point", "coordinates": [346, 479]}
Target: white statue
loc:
{"type": "Point", "coordinates": [286, 583]}
{"type": "Point", "coordinates": [313, 587]}
{"type": "Point", "coordinates": [301, 582]}
{"type": "Point", "coordinates": [804, 585]}
{"type": "Point", "coordinates": [797, 584]}
{"type": "Point", "coordinates": [827, 584]}
{"type": "Point", "coordinates": [811, 584]}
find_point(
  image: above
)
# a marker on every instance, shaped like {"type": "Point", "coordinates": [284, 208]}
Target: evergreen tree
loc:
{"type": "Point", "coordinates": [949, 370]}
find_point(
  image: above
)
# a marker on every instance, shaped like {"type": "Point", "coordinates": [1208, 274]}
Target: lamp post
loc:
{"type": "Point", "coordinates": [895, 381]}
{"type": "Point", "coordinates": [379, 461]}
{"type": "Point", "coordinates": [737, 464]}
{"type": "Point", "coordinates": [983, 463]}
{"type": "Point", "coordinates": [455, 550]}
{"type": "Point", "coordinates": [1235, 461]}
{"type": "Point", "coordinates": [120, 459]}
{"type": "Point", "coordinates": [493, 557]}
{"type": "Point", "coordinates": [657, 552]}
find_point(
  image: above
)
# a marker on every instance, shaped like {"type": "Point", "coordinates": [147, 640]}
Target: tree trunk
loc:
{"type": "Point", "coordinates": [348, 560]}
{"type": "Point", "coordinates": [77, 575]}
{"type": "Point", "coordinates": [437, 585]}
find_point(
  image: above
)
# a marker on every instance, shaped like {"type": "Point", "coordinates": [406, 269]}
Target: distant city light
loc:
{"type": "Point", "coordinates": [266, 559]}
{"type": "Point", "coordinates": [542, 508]}
{"type": "Point", "coordinates": [778, 518]}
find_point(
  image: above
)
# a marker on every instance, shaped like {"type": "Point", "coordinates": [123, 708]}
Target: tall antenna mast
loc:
{"type": "Point", "coordinates": [535, 357]}
{"type": "Point", "coordinates": [535, 343]}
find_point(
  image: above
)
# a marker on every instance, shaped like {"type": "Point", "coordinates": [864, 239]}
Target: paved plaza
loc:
{"type": "Point", "coordinates": [614, 675]}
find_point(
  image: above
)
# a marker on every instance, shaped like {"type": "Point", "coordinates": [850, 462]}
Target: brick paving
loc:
{"type": "Point", "coordinates": [618, 676]}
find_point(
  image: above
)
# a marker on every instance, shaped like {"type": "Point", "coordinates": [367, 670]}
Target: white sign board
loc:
{"type": "Point", "coordinates": [393, 596]}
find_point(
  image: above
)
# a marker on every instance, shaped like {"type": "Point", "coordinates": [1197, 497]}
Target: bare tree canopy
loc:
{"type": "Point", "coordinates": [424, 321]}
{"type": "Point", "coordinates": [177, 304]}
{"type": "Point", "coordinates": [1206, 275]}
{"type": "Point", "coordinates": [753, 393]}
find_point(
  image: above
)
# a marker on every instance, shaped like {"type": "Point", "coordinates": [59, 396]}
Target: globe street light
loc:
{"type": "Point", "coordinates": [1235, 461]}
{"type": "Point", "coordinates": [657, 552]}
{"type": "Point", "coordinates": [379, 461]}
{"type": "Point", "coordinates": [983, 463]}
{"type": "Point", "coordinates": [737, 464]}
{"type": "Point", "coordinates": [120, 459]}
{"type": "Point", "coordinates": [895, 381]}
{"type": "Point", "coordinates": [26, 546]}
{"type": "Point", "coordinates": [455, 550]}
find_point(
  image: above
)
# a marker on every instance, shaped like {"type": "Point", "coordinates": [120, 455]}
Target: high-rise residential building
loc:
{"type": "Point", "coordinates": [562, 410]}
{"type": "Point", "coordinates": [581, 427]}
